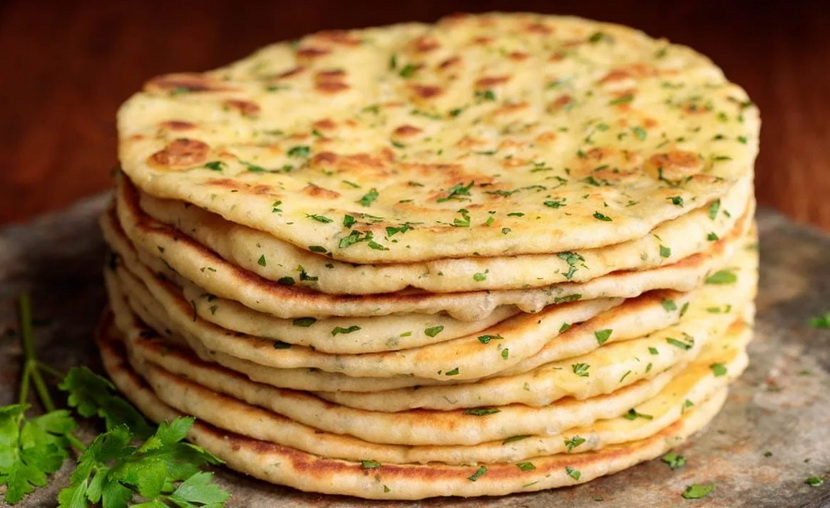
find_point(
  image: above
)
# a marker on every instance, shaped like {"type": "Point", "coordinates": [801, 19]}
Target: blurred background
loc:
{"type": "Point", "coordinates": [66, 67]}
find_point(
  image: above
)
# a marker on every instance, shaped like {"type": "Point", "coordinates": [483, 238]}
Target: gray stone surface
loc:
{"type": "Point", "coordinates": [780, 405]}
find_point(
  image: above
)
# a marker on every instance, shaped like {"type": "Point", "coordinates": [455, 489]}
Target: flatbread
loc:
{"type": "Point", "coordinates": [195, 263]}
{"type": "Point", "coordinates": [288, 466]}
{"type": "Point", "coordinates": [275, 260]}
{"type": "Point", "coordinates": [569, 135]}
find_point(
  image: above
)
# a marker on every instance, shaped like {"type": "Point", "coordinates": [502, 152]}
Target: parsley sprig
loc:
{"type": "Point", "coordinates": [131, 463]}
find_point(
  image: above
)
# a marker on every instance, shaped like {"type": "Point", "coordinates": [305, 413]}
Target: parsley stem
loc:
{"type": "Point", "coordinates": [31, 370]}
{"type": "Point", "coordinates": [75, 442]}
{"type": "Point", "coordinates": [49, 370]}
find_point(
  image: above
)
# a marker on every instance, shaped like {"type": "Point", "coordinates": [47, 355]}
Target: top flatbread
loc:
{"type": "Point", "coordinates": [486, 135]}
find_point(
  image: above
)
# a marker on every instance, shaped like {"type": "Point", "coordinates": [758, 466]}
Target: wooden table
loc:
{"type": "Point", "coordinates": [68, 65]}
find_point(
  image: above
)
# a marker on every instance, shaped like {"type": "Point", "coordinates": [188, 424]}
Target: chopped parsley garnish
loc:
{"type": "Point", "coordinates": [299, 151]}
{"type": "Point", "coordinates": [573, 473]}
{"type": "Point", "coordinates": [668, 305]}
{"type": "Point", "coordinates": [513, 439]}
{"type": "Point", "coordinates": [722, 277]}
{"type": "Point", "coordinates": [319, 218]}
{"type": "Point", "coordinates": [714, 207]}
{"type": "Point", "coordinates": [718, 369]}
{"type": "Point", "coordinates": [216, 165]}
{"type": "Point", "coordinates": [625, 99]}
{"type": "Point", "coordinates": [261, 261]}
{"type": "Point", "coordinates": [572, 258]}
{"type": "Point", "coordinates": [632, 414]}
{"type": "Point", "coordinates": [580, 369]}
{"type": "Point", "coordinates": [370, 464]}
{"type": "Point", "coordinates": [712, 237]}
{"type": "Point", "coordinates": [602, 217]}
{"type": "Point", "coordinates": [639, 132]}
{"type": "Point", "coordinates": [674, 460]}
{"type": "Point", "coordinates": [564, 328]}
{"type": "Point", "coordinates": [603, 335]}
{"type": "Point", "coordinates": [339, 329]}
{"type": "Point", "coordinates": [676, 200]}
{"type": "Point", "coordinates": [697, 491]}
{"type": "Point", "coordinates": [653, 351]}
{"type": "Point", "coordinates": [348, 221]}
{"type": "Point", "coordinates": [456, 191]}
{"type": "Point", "coordinates": [484, 339]}
{"type": "Point", "coordinates": [480, 276]}
{"type": "Point", "coordinates": [481, 411]}
{"type": "Point", "coordinates": [555, 203]}
{"type": "Point", "coordinates": [526, 466]}
{"type": "Point", "coordinates": [567, 299]}
{"type": "Point", "coordinates": [487, 95]}
{"type": "Point", "coordinates": [317, 248]}
{"type": "Point", "coordinates": [682, 345]}
{"type": "Point", "coordinates": [814, 481]}
{"type": "Point", "coordinates": [304, 322]}
{"type": "Point", "coordinates": [407, 71]}
{"type": "Point", "coordinates": [433, 331]}
{"type": "Point", "coordinates": [369, 197]}
{"type": "Point", "coordinates": [665, 251]}
{"type": "Point", "coordinates": [505, 353]}
{"type": "Point", "coordinates": [481, 471]}
{"type": "Point", "coordinates": [281, 345]}
{"type": "Point", "coordinates": [275, 207]}
{"type": "Point", "coordinates": [574, 442]}
{"type": "Point", "coordinates": [453, 372]}
{"type": "Point", "coordinates": [464, 221]}
{"type": "Point", "coordinates": [286, 281]}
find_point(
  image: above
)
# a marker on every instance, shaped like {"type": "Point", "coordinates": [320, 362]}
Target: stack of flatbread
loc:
{"type": "Point", "coordinates": [501, 253]}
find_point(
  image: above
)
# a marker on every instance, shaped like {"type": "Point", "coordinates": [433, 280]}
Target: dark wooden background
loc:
{"type": "Point", "coordinates": [66, 66]}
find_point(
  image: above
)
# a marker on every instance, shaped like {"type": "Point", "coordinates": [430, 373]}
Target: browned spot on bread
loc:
{"type": "Point", "coordinates": [506, 109]}
{"type": "Point", "coordinates": [545, 137]}
{"type": "Point", "coordinates": [452, 61]}
{"type": "Point", "coordinates": [289, 73]}
{"type": "Point", "coordinates": [557, 57]}
{"type": "Point", "coordinates": [180, 154]}
{"type": "Point", "coordinates": [693, 108]}
{"type": "Point", "coordinates": [330, 81]}
{"type": "Point", "coordinates": [256, 189]}
{"type": "Point", "coordinates": [177, 125]}
{"type": "Point", "coordinates": [184, 82]}
{"type": "Point", "coordinates": [425, 44]}
{"type": "Point", "coordinates": [518, 56]}
{"type": "Point", "coordinates": [674, 165]}
{"type": "Point", "coordinates": [405, 131]}
{"type": "Point", "coordinates": [326, 124]}
{"type": "Point", "coordinates": [482, 41]}
{"type": "Point", "coordinates": [636, 71]}
{"type": "Point", "coordinates": [320, 192]}
{"type": "Point", "coordinates": [490, 81]}
{"type": "Point", "coordinates": [246, 108]}
{"type": "Point", "coordinates": [427, 91]}
{"type": "Point", "coordinates": [649, 122]}
{"type": "Point", "coordinates": [468, 142]}
{"type": "Point", "coordinates": [311, 52]}
{"type": "Point", "coordinates": [324, 158]}
{"type": "Point", "coordinates": [559, 103]}
{"type": "Point", "coordinates": [341, 37]}
{"type": "Point", "coordinates": [538, 28]}
{"type": "Point", "coordinates": [512, 143]}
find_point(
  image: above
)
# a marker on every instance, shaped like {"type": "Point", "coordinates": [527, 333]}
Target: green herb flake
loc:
{"type": "Point", "coordinates": [319, 218]}
{"type": "Point", "coordinates": [304, 322]}
{"type": "Point", "coordinates": [505, 353]}
{"type": "Point", "coordinates": [674, 460]}
{"type": "Point", "coordinates": [479, 277]}
{"type": "Point", "coordinates": [665, 251]}
{"type": "Point", "coordinates": [573, 259]}
{"type": "Point", "coordinates": [433, 331]}
{"type": "Point", "coordinates": [261, 261]}
{"type": "Point", "coordinates": [286, 281]}
{"type": "Point", "coordinates": [574, 442]}
{"type": "Point", "coordinates": [573, 473]}
{"type": "Point", "coordinates": [639, 132]}
{"type": "Point", "coordinates": [668, 305]}
{"type": "Point", "coordinates": [712, 237]}
{"type": "Point", "coordinates": [481, 411]}
{"type": "Point", "coordinates": [632, 414]}
{"type": "Point", "coordinates": [216, 165]}
{"type": "Point", "coordinates": [348, 221]}
{"type": "Point", "coordinates": [625, 99]}
{"type": "Point", "coordinates": [526, 466]}
{"type": "Point", "coordinates": [676, 200]}
{"type": "Point", "coordinates": [299, 151]}
{"type": "Point", "coordinates": [369, 464]}
{"type": "Point", "coordinates": [814, 481]}
{"type": "Point", "coordinates": [697, 491]}
{"type": "Point", "coordinates": [718, 369]}
{"type": "Point", "coordinates": [407, 71]}
{"type": "Point", "coordinates": [513, 439]}
{"type": "Point", "coordinates": [481, 471]}
{"type": "Point", "coordinates": [580, 369]}
{"type": "Point", "coordinates": [453, 372]}
{"type": "Point", "coordinates": [682, 345]}
{"type": "Point", "coordinates": [722, 277]}
{"type": "Point", "coordinates": [339, 329]}
{"type": "Point", "coordinates": [603, 335]}
{"type": "Point", "coordinates": [653, 351]}
{"type": "Point", "coordinates": [457, 192]}
{"type": "Point", "coordinates": [317, 248]}
{"type": "Point", "coordinates": [369, 197]}
{"type": "Point", "coordinates": [484, 339]}
{"type": "Point", "coordinates": [714, 207]}
{"type": "Point", "coordinates": [564, 328]}
{"type": "Point", "coordinates": [281, 345]}
{"type": "Point", "coordinates": [602, 217]}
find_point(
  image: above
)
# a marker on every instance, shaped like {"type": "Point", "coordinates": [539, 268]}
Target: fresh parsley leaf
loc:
{"type": "Point", "coordinates": [822, 321]}
{"type": "Point", "coordinates": [602, 217]}
{"type": "Point", "coordinates": [580, 369]}
{"type": "Point", "coordinates": [722, 277]}
{"type": "Point", "coordinates": [369, 197]}
{"type": "Point", "coordinates": [434, 330]}
{"type": "Point", "coordinates": [697, 491]}
{"type": "Point", "coordinates": [481, 471]}
{"type": "Point", "coordinates": [574, 442]}
{"type": "Point", "coordinates": [339, 329]}
{"type": "Point", "coordinates": [674, 460]}
{"type": "Point", "coordinates": [603, 335]}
